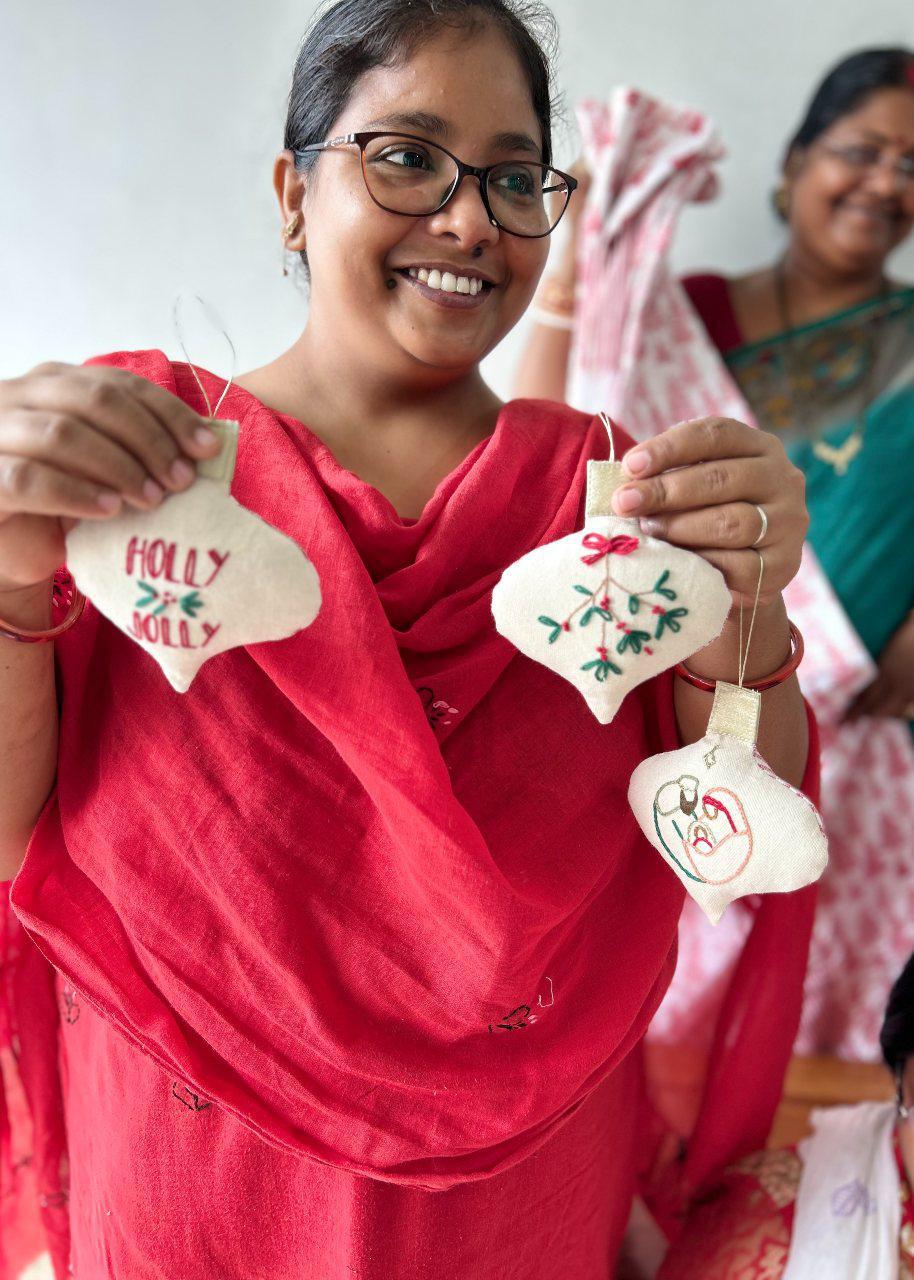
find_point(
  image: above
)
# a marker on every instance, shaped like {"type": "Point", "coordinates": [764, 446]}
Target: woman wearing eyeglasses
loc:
{"type": "Point", "coordinates": [356, 941]}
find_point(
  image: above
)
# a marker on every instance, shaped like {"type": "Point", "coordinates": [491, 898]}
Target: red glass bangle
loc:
{"type": "Point", "coordinates": [66, 599]}
{"type": "Point", "coordinates": [766, 682]}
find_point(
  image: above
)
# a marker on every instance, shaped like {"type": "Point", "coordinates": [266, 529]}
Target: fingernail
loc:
{"type": "Point", "coordinates": [109, 501]}
{"type": "Point", "coordinates": [182, 472]}
{"type": "Point", "coordinates": [636, 462]}
{"type": "Point", "coordinates": [651, 527]}
{"type": "Point", "coordinates": [205, 438]}
{"type": "Point", "coordinates": [153, 492]}
{"type": "Point", "coordinates": [626, 501]}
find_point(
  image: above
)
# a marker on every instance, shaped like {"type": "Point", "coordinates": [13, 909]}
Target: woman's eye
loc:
{"type": "Point", "coordinates": [407, 159]}
{"type": "Point", "coordinates": [862, 156]}
{"type": "Point", "coordinates": [518, 182]}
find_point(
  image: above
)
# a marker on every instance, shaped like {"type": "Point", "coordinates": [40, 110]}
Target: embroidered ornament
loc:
{"type": "Point", "coordinates": [722, 818]}
{"type": "Point", "coordinates": [609, 607]}
{"type": "Point", "coordinates": [197, 576]}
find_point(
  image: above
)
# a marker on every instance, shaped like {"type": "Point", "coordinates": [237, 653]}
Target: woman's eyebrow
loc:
{"type": "Point", "coordinates": [420, 120]}
{"type": "Point", "coordinates": [423, 122]}
{"type": "Point", "coordinates": [872, 135]}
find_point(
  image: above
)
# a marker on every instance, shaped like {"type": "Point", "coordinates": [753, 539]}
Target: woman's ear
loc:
{"type": "Point", "coordinates": [290, 186]}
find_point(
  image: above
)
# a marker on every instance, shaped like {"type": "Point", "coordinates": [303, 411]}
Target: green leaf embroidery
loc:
{"type": "Point", "coordinates": [586, 616]}
{"type": "Point", "coordinates": [633, 640]}
{"type": "Point", "coordinates": [151, 594]}
{"type": "Point", "coordinates": [556, 627]}
{"type": "Point", "coordinates": [191, 603]}
{"type": "Point", "coordinates": [601, 669]}
{"type": "Point", "coordinates": [585, 591]}
{"type": "Point", "coordinates": [669, 619]}
{"type": "Point", "coordinates": [660, 589]}
{"type": "Point", "coordinates": [634, 604]}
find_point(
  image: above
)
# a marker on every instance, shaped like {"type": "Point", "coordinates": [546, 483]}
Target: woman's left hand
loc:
{"type": "Point", "coordinates": [891, 694]}
{"type": "Point", "coordinates": [700, 485]}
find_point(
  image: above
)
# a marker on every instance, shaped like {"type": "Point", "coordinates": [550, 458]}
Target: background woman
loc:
{"type": "Point", "coordinates": [346, 987]}
{"type": "Point", "coordinates": [821, 343]}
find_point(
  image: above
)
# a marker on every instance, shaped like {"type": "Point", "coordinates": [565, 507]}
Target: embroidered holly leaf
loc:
{"type": "Point", "coordinates": [662, 590]}
{"type": "Point", "coordinates": [601, 669]}
{"type": "Point", "coordinates": [151, 594]}
{"type": "Point", "coordinates": [191, 603]}
{"type": "Point", "coordinates": [633, 640]}
{"type": "Point", "coordinates": [669, 620]}
{"type": "Point", "coordinates": [556, 627]}
{"type": "Point", "coordinates": [634, 604]}
{"type": "Point", "coordinates": [585, 591]}
{"type": "Point", "coordinates": [604, 613]}
{"type": "Point", "coordinates": [586, 616]}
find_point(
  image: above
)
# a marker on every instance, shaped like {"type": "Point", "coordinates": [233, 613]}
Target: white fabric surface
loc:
{"type": "Point", "coordinates": [848, 1211]}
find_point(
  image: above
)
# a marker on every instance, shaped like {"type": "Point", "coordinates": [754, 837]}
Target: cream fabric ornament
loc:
{"type": "Point", "coordinates": [609, 607]}
{"type": "Point", "coordinates": [721, 818]}
{"type": "Point", "coordinates": [198, 575]}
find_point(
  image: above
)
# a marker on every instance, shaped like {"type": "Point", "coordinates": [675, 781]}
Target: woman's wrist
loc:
{"type": "Point", "coordinates": [28, 607]}
{"type": "Point", "coordinates": [770, 645]}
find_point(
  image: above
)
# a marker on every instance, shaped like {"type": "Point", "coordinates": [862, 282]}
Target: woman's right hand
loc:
{"type": "Point", "coordinates": [78, 443]}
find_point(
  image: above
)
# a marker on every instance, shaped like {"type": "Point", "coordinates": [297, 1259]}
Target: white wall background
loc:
{"type": "Point", "coordinates": [137, 139]}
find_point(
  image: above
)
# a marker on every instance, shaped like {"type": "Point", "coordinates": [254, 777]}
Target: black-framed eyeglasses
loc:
{"type": "Point", "coordinates": [410, 175]}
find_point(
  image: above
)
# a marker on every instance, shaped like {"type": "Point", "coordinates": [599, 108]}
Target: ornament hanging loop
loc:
{"type": "Point", "coordinates": [178, 307]}
{"type": "Point", "coordinates": [608, 424]}
{"type": "Point", "coordinates": [744, 653]}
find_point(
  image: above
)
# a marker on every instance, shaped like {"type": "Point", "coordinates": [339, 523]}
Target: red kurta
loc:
{"type": "Point", "coordinates": [358, 936]}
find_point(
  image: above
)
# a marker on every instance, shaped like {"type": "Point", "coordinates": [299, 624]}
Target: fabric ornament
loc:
{"type": "Point", "coordinates": [198, 575]}
{"type": "Point", "coordinates": [609, 607]}
{"type": "Point", "coordinates": [721, 818]}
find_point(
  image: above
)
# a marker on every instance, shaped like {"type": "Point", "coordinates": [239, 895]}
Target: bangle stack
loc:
{"type": "Point", "coordinates": [67, 604]}
{"type": "Point", "coordinates": [554, 304]}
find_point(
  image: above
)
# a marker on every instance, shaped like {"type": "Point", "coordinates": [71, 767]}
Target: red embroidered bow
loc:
{"type": "Point", "coordinates": [620, 545]}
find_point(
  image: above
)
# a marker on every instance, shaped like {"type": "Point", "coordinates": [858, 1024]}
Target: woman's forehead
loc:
{"type": "Point", "coordinates": [887, 114]}
{"type": "Point", "coordinates": [455, 88]}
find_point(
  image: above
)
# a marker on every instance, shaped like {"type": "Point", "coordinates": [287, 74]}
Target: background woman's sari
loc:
{"type": "Point", "coordinates": [810, 386]}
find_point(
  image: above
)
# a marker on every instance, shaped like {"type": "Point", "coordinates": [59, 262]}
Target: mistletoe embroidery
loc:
{"type": "Point", "coordinates": [191, 603]}
{"type": "Point", "coordinates": [599, 603]}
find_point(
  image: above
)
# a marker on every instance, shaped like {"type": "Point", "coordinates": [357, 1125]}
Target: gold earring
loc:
{"type": "Point", "coordinates": [288, 230]}
{"type": "Point", "coordinates": [290, 227]}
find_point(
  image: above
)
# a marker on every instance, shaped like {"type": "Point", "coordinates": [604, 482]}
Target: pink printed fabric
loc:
{"type": "Point", "coordinates": [357, 938]}
{"type": "Point", "coordinates": [642, 353]}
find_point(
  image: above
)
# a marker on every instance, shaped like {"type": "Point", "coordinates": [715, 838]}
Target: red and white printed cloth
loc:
{"type": "Point", "coordinates": [641, 353]}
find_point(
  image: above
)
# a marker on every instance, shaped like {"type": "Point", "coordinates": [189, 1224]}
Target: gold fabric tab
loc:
{"type": "Point", "coordinates": [603, 479]}
{"type": "Point", "coordinates": [221, 468]}
{"type": "Point", "coordinates": [736, 711]}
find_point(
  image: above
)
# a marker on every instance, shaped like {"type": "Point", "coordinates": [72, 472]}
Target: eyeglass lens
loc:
{"type": "Point", "coordinates": [406, 176]}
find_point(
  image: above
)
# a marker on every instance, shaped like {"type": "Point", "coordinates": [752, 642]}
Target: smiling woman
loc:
{"type": "Point", "coordinates": [352, 948]}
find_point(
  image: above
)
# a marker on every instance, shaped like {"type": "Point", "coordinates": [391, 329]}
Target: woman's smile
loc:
{"type": "Point", "coordinates": [444, 288]}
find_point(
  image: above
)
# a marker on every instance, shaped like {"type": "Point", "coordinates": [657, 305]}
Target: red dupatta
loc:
{"type": "Point", "coordinates": [376, 889]}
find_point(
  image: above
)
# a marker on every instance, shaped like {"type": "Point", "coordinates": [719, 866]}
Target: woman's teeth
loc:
{"type": "Point", "coordinates": [446, 281]}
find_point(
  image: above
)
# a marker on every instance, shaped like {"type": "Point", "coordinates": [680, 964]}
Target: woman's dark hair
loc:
{"type": "Point", "coordinates": [896, 1039]}
{"type": "Point", "coordinates": [354, 36]}
{"type": "Point", "coordinates": [849, 84]}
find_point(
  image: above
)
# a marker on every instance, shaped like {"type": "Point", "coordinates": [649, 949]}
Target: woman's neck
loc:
{"type": "Point", "coordinates": [814, 290]}
{"type": "Point", "coordinates": [402, 437]}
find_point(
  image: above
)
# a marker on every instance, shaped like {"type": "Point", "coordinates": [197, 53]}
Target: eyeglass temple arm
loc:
{"type": "Point", "coordinates": [342, 141]}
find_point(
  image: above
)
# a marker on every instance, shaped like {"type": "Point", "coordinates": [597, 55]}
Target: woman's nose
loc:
{"type": "Point", "coordinates": [465, 215]}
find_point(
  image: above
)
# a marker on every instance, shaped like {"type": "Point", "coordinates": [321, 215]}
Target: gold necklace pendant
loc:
{"type": "Point", "coordinates": [840, 458]}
